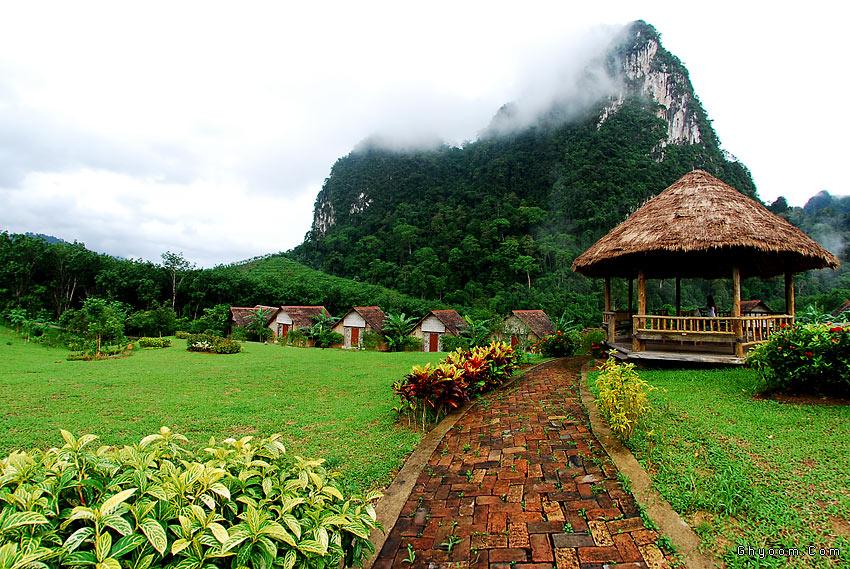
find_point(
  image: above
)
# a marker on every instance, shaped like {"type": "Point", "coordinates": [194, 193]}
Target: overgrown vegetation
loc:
{"type": "Point", "coordinates": [622, 396]}
{"type": "Point", "coordinates": [162, 503]}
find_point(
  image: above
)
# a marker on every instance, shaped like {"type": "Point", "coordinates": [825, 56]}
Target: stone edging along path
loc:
{"type": "Point", "coordinates": [657, 508]}
{"type": "Point", "coordinates": [395, 495]}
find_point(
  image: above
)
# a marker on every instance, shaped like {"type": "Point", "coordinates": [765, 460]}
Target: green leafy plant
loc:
{"type": "Point", "coordinates": [233, 503]}
{"type": "Point", "coordinates": [322, 333]}
{"type": "Point", "coordinates": [411, 555]}
{"type": "Point", "coordinates": [805, 358]}
{"type": "Point", "coordinates": [212, 344]}
{"type": "Point", "coordinates": [372, 341]}
{"type": "Point", "coordinates": [295, 337]}
{"type": "Point", "coordinates": [145, 342]}
{"type": "Point", "coordinates": [477, 332]}
{"type": "Point", "coordinates": [623, 396]}
{"type": "Point", "coordinates": [257, 327]}
{"type": "Point", "coordinates": [397, 328]}
{"type": "Point", "coordinates": [558, 345]}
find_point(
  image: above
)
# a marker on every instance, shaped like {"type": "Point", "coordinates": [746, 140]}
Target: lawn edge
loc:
{"type": "Point", "coordinates": [396, 494]}
{"type": "Point", "coordinates": [669, 522]}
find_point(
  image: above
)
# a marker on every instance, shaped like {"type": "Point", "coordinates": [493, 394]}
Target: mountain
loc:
{"type": "Point", "coordinates": [496, 223]}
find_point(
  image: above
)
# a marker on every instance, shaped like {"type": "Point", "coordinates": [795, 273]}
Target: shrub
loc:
{"type": "Point", "coordinates": [233, 503]}
{"type": "Point", "coordinates": [593, 342]}
{"type": "Point", "coordinates": [104, 353]}
{"type": "Point", "coordinates": [295, 337]}
{"type": "Point", "coordinates": [181, 334]}
{"type": "Point", "coordinates": [237, 333]}
{"type": "Point", "coordinates": [430, 392]}
{"type": "Point", "coordinates": [813, 358]}
{"type": "Point", "coordinates": [558, 345]}
{"type": "Point", "coordinates": [411, 344]}
{"type": "Point", "coordinates": [372, 341]}
{"type": "Point", "coordinates": [159, 320]}
{"type": "Point", "coordinates": [623, 396]}
{"type": "Point", "coordinates": [212, 344]}
{"type": "Point", "coordinates": [146, 342]}
{"type": "Point", "coordinates": [453, 343]}
{"type": "Point", "coordinates": [214, 318]}
{"type": "Point", "coordinates": [397, 328]}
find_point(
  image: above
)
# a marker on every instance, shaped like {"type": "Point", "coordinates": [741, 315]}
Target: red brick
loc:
{"type": "Point", "coordinates": [598, 555]}
{"type": "Point", "coordinates": [507, 555]}
{"type": "Point", "coordinates": [627, 548]}
{"type": "Point", "coordinates": [541, 547]}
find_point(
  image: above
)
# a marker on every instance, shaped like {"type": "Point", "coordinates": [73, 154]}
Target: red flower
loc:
{"type": "Point", "coordinates": [809, 354]}
{"type": "Point", "coordinates": [783, 325]}
{"type": "Point", "coordinates": [836, 329]}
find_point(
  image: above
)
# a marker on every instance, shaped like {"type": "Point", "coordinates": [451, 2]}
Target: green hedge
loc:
{"type": "Point", "coordinates": [146, 342]}
{"type": "Point", "coordinates": [233, 503]}
{"type": "Point", "coordinates": [212, 344]}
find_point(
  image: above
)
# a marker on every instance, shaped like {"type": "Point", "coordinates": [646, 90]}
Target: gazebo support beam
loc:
{"type": "Point", "coordinates": [631, 294]}
{"type": "Point", "coordinates": [678, 296]}
{"type": "Point", "coordinates": [637, 344]}
{"type": "Point", "coordinates": [609, 307]}
{"type": "Point", "coordinates": [790, 306]}
{"type": "Point", "coordinates": [736, 311]}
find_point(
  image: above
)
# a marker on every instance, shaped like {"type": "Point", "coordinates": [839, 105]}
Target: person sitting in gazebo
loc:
{"type": "Point", "coordinates": [712, 306]}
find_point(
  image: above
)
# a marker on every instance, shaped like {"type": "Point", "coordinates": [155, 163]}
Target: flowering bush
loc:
{"type": "Point", "coordinates": [212, 344]}
{"type": "Point", "coordinates": [463, 374]}
{"type": "Point", "coordinates": [805, 358]}
{"type": "Point", "coordinates": [146, 342]}
{"type": "Point", "coordinates": [558, 345]}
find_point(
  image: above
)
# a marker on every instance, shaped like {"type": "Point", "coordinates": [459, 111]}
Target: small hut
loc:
{"type": "Point", "coordinates": [700, 227]}
{"type": "Point", "coordinates": [240, 316]}
{"type": "Point", "coordinates": [526, 326]}
{"type": "Point", "coordinates": [358, 321]}
{"type": "Point", "coordinates": [295, 317]}
{"type": "Point", "coordinates": [753, 307]}
{"type": "Point", "coordinates": [434, 325]}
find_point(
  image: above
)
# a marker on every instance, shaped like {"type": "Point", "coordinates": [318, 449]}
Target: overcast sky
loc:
{"type": "Point", "coordinates": [208, 128]}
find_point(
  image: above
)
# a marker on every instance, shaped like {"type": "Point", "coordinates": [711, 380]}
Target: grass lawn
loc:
{"type": "Point", "coordinates": [749, 472]}
{"type": "Point", "coordinates": [332, 404]}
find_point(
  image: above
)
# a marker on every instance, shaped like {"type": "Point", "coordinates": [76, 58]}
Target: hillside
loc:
{"type": "Point", "coordinates": [497, 222]}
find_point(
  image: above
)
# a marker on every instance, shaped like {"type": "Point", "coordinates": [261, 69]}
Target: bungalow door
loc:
{"type": "Point", "coordinates": [355, 337]}
{"type": "Point", "coordinates": [284, 330]}
{"type": "Point", "coordinates": [514, 340]}
{"type": "Point", "coordinates": [433, 342]}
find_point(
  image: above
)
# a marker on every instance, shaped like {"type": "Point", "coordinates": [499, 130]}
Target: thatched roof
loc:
{"type": "Point", "coordinates": [536, 320]}
{"type": "Point", "coordinates": [453, 321]}
{"type": "Point", "coordinates": [302, 316]}
{"type": "Point", "coordinates": [702, 227]}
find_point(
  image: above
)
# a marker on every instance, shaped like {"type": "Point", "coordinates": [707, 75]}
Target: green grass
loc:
{"type": "Point", "coordinates": [331, 404]}
{"type": "Point", "coordinates": [749, 472]}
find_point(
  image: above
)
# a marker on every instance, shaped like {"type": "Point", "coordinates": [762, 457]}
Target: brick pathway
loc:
{"type": "Point", "coordinates": [521, 483]}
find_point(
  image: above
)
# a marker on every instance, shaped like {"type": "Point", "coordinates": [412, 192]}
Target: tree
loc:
{"type": "Point", "coordinates": [397, 328]}
{"type": "Point", "coordinates": [99, 322]}
{"type": "Point", "coordinates": [177, 267]}
{"type": "Point", "coordinates": [257, 326]}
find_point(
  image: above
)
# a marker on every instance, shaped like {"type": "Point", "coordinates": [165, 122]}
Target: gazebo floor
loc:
{"type": "Point", "coordinates": [624, 352]}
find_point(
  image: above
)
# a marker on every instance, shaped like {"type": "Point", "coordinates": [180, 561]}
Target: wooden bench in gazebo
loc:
{"type": "Point", "coordinates": [700, 227]}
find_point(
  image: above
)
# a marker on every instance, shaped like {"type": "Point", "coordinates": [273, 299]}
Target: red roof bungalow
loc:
{"type": "Point", "coordinates": [435, 325]}
{"type": "Point", "coordinates": [526, 326]}
{"type": "Point", "coordinates": [357, 321]}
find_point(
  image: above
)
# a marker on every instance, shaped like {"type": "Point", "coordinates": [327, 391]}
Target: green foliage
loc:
{"type": "Point", "coordinates": [397, 328]}
{"type": "Point", "coordinates": [181, 335]}
{"type": "Point", "coordinates": [623, 397]}
{"type": "Point", "coordinates": [145, 342]}
{"type": "Point", "coordinates": [322, 333]}
{"type": "Point", "coordinates": [593, 342]}
{"type": "Point", "coordinates": [296, 337]}
{"type": "Point", "coordinates": [212, 344]}
{"type": "Point", "coordinates": [160, 320]}
{"type": "Point", "coordinates": [452, 343]}
{"type": "Point", "coordinates": [98, 323]}
{"type": "Point", "coordinates": [559, 345]}
{"type": "Point", "coordinates": [257, 327]}
{"type": "Point", "coordinates": [160, 504]}
{"type": "Point", "coordinates": [811, 358]}
{"type": "Point", "coordinates": [214, 318]}
{"type": "Point", "coordinates": [430, 392]}
{"type": "Point", "coordinates": [477, 332]}
{"type": "Point", "coordinates": [372, 341]}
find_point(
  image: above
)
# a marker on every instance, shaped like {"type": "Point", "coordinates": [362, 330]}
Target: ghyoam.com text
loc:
{"type": "Point", "coordinates": [807, 551]}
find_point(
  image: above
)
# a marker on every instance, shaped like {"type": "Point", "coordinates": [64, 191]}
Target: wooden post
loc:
{"type": "Point", "coordinates": [637, 344]}
{"type": "Point", "coordinates": [790, 305]}
{"type": "Point", "coordinates": [631, 305]}
{"type": "Point", "coordinates": [678, 296]}
{"type": "Point", "coordinates": [736, 311]}
{"type": "Point", "coordinates": [611, 325]}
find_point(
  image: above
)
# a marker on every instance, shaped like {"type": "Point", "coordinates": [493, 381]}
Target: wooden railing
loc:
{"type": "Point", "coordinates": [741, 329]}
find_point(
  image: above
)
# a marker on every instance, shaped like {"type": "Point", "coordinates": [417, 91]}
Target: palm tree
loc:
{"type": "Point", "coordinates": [397, 328]}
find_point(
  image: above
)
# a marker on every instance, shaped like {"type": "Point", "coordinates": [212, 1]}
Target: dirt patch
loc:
{"type": "Point", "coordinates": [840, 526]}
{"type": "Point", "coordinates": [802, 399]}
{"type": "Point", "coordinates": [243, 430]}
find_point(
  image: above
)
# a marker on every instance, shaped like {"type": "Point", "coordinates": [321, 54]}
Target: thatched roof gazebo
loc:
{"type": "Point", "coordinates": [701, 227]}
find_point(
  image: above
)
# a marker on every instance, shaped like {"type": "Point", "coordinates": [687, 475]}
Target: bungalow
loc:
{"type": "Point", "coordinates": [358, 321]}
{"type": "Point", "coordinates": [241, 316]}
{"type": "Point", "coordinates": [295, 317]}
{"type": "Point", "coordinates": [527, 326]}
{"type": "Point", "coordinates": [754, 307]}
{"type": "Point", "coordinates": [436, 323]}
